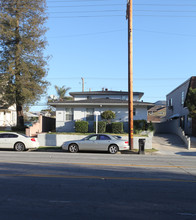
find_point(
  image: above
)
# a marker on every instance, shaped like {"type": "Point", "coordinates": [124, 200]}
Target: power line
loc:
{"type": "Point", "coordinates": [109, 5]}
{"type": "Point", "coordinates": [160, 32]}
{"type": "Point", "coordinates": [87, 34]}
{"type": "Point", "coordinates": [90, 16]}
{"type": "Point", "coordinates": [73, 1]}
{"type": "Point", "coordinates": [76, 6]}
{"type": "Point", "coordinates": [167, 16]}
{"type": "Point", "coordinates": [164, 11]}
{"type": "Point", "coordinates": [96, 16]}
{"type": "Point", "coordinates": [61, 12]}
{"type": "Point", "coordinates": [166, 5]}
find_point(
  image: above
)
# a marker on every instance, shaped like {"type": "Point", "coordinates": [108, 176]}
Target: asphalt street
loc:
{"type": "Point", "coordinates": [61, 185]}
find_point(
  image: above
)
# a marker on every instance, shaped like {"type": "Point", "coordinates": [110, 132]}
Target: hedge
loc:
{"type": "Point", "coordinates": [81, 126]}
{"type": "Point", "coordinates": [142, 125]}
{"type": "Point", "coordinates": [101, 127]}
{"type": "Point", "coordinates": [117, 127]}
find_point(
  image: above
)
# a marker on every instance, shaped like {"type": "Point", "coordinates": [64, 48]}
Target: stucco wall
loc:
{"type": "Point", "coordinates": [177, 105]}
{"type": "Point", "coordinates": [8, 117]}
{"type": "Point", "coordinates": [57, 140]}
{"type": "Point", "coordinates": [80, 114]}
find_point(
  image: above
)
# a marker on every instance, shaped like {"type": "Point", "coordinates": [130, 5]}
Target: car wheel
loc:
{"type": "Point", "coordinates": [19, 146]}
{"type": "Point", "coordinates": [113, 149]}
{"type": "Point", "coordinates": [73, 148]}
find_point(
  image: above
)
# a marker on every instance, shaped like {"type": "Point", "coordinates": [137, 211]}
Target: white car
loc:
{"type": "Point", "coordinates": [17, 141]}
{"type": "Point", "coordinates": [97, 142]}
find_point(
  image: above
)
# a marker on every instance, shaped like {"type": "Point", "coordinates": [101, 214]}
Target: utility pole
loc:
{"type": "Point", "coordinates": [82, 84]}
{"type": "Point", "coordinates": [129, 16]}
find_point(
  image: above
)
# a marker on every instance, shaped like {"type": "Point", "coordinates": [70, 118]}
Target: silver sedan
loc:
{"type": "Point", "coordinates": [97, 142]}
{"type": "Point", "coordinates": [17, 141]}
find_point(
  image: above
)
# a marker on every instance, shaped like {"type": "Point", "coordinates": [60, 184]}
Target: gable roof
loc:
{"type": "Point", "coordinates": [191, 80]}
{"type": "Point", "coordinates": [157, 108]}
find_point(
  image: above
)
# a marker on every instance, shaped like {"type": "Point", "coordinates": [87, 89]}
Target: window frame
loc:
{"type": "Point", "coordinates": [69, 114]}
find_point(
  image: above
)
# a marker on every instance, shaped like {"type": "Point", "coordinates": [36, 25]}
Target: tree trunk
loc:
{"type": "Point", "coordinates": [20, 118]}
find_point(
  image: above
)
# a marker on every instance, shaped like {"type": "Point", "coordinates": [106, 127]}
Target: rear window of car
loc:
{"type": "Point", "coordinates": [117, 137]}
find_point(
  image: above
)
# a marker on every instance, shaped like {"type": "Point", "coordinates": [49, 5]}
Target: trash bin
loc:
{"type": "Point", "coordinates": [141, 146]}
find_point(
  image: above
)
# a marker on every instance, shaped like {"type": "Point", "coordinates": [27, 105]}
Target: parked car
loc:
{"type": "Point", "coordinates": [97, 142]}
{"type": "Point", "coordinates": [17, 141]}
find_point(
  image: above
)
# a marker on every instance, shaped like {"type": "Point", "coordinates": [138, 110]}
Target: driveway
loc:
{"type": "Point", "coordinates": [170, 144]}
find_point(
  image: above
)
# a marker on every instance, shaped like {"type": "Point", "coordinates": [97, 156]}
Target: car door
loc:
{"type": "Point", "coordinates": [103, 142]}
{"type": "Point", "coordinates": [11, 140]}
{"type": "Point", "coordinates": [88, 143]}
{"type": "Point", "coordinates": [3, 140]}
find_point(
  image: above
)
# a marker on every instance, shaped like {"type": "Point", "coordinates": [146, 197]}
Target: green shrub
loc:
{"type": "Point", "coordinates": [117, 127]}
{"type": "Point", "coordinates": [142, 125]}
{"type": "Point", "coordinates": [81, 126]}
{"type": "Point", "coordinates": [101, 127]}
{"type": "Point", "coordinates": [108, 115]}
{"type": "Point", "coordinates": [150, 126]}
{"type": "Point", "coordinates": [139, 124]}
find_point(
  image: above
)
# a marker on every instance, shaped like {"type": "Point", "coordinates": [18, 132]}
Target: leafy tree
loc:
{"type": "Point", "coordinates": [108, 115]}
{"type": "Point", "coordinates": [22, 62]}
{"type": "Point", "coordinates": [61, 92]}
{"type": "Point", "coordinates": [191, 102]}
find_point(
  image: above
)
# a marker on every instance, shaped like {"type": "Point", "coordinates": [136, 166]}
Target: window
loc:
{"type": "Point", "coordinates": [90, 114]}
{"type": "Point", "coordinates": [170, 102]}
{"type": "Point", "coordinates": [134, 111]}
{"type": "Point", "coordinates": [8, 136]}
{"type": "Point", "coordinates": [12, 136]}
{"type": "Point", "coordinates": [69, 114]}
{"type": "Point", "coordinates": [104, 137]}
{"type": "Point", "coordinates": [92, 138]}
{"type": "Point", "coordinates": [124, 97]}
{"type": "Point", "coordinates": [182, 101]}
{"type": "Point", "coordinates": [2, 136]}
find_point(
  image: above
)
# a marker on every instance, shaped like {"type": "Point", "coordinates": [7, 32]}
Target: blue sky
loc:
{"type": "Point", "coordinates": [88, 38]}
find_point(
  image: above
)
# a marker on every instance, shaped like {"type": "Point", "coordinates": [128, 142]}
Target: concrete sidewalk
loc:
{"type": "Point", "coordinates": [170, 144]}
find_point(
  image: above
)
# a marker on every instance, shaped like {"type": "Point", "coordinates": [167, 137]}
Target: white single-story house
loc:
{"type": "Point", "coordinates": [8, 116]}
{"type": "Point", "coordinates": [86, 105]}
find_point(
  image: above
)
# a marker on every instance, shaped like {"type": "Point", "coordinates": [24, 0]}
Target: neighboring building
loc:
{"type": "Point", "coordinates": [176, 108]}
{"type": "Point", "coordinates": [157, 113]}
{"type": "Point", "coordinates": [8, 116]}
{"type": "Point", "coordinates": [86, 105]}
